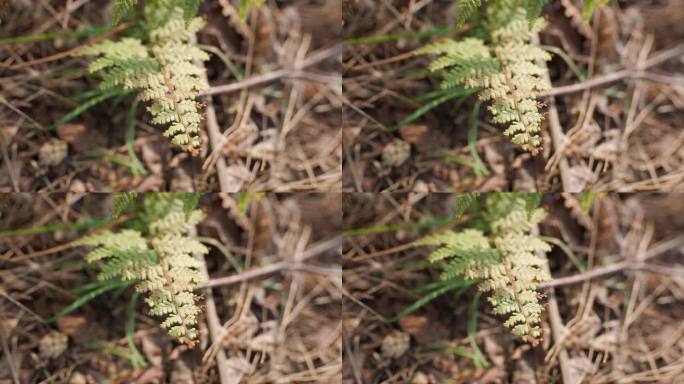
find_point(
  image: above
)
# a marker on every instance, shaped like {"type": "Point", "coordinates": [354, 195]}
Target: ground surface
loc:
{"type": "Point", "coordinates": [280, 325]}
{"type": "Point", "coordinates": [624, 327]}
{"type": "Point", "coordinates": [623, 136]}
{"type": "Point", "coordinates": [281, 134]}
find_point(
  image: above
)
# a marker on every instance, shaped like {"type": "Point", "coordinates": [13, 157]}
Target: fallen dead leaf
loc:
{"type": "Point", "coordinates": [71, 325]}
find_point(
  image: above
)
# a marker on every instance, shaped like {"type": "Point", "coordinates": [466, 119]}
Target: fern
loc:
{"type": "Point", "coordinates": [160, 257]}
{"type": "Point", "coordinates": [534, 8]}
{"type": "Point", "coordinates": [464, 201]}
{"type": "Point", "coordinates": [120, 8]}
{"type": "Point", "coordinates": [164, 70]}
{"type": "Point", "coordinates": [505, 70]}
{"type": "Point", "coordinates": [190, 8]}
{"type": "Point", "coordinates": [121, 201]}
{"type": "Point", "coordinates": [506, 260]}
{"type": "Point", "coordinates": [466, 8]}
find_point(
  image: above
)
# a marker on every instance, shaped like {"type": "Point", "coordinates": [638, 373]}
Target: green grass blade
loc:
{"type": "Point", "coordinates": [397, 36]}
{"type": "Point", "coordinates": [89, 104]}
{"type": "Point", "coordinates": [108, 286]}
{"type": "Point", "coordinates": [137, 360]}
{"type": "Point", "coordinates": [447, 286]}
{"type": "Point", "coordinates": [479, 358]}
{"type": "Point", "coordinates": [451, 94]}
{"type": "Point", "coordinates": [85, 32]}
{"type": "Point", "coordinates": [137, 168]}
{"type": "Point", "coordinates": [479, 166]}
{"type": "Point", "coordinates": [93, 223]}
{"type": "Point", "coordinates": [437, 222]}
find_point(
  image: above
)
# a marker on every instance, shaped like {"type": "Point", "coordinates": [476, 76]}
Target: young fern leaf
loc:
{"type": "Point", "coordinates": [121, 201]}
{"type": "Point", "coordinates": [507, 261]}
{"type": "Point", "coordinates": [162, 261]}
{"type": "Point", "coordinates": [120, 8]}
{"type": "Point", "coordinates": [534, 8]}
{"type": "Point", "coordinates": [190, 8]}
{"type": "Point", "coordinates": [165, 71]}
{"type": "Point", "coordinates": [465, 9]}
{"type": "Point", "coordinates": [506, 72]}
{"type": "Point", "coordinates": [464, 201]}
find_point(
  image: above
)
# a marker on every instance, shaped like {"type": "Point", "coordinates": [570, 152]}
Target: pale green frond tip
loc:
{"type": "Point", "coordinates": [465, 9]}
{"type": "Point", "coordinates": [464, 201]}
{"type": "Point", "coordinates": [508, 262]}
{"type": "Point", "coordinates": [121, 8]}
{"type": "Point", "coordinates": [122, 201]}
{"type": "Point", "coordinates": [163, 261]}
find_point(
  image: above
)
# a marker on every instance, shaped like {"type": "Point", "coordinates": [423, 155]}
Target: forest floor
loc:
{"type": "Point", "coordinates": [276, 126]}
{"type": "Point", "coordinates": [621, 327]}
{"type": "Point", "coordinates": [624, 135]}
{"type": "Point", "coordinates": [280, 308]}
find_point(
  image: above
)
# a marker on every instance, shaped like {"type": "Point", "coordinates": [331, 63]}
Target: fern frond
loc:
{"type": "Point", "coordinates": [506, 71]}
{"type": "Point", "coordinates": [190, 8]}
{"type": "Point", "coordinates": [507, 262]}
{"type": "Point", "coordinates": [120, 8]}
{"type": "Point", "coordinates": [465, 9]}
{"type": "Point", "coordinates": [534, 8]}
{"type": "Point", "coordinates": [464, 201]}
{"type": "Point", "coordinates": [121, 201]}
{"type": "Point", "coordinates": [162, 261]}
{"type": "Point", "coordinates": [165, 70]}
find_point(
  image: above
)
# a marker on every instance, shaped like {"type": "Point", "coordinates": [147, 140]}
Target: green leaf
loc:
{"type": "Point", "coordinates": [245, 199]}
{"type": "Point", "coordinates": [247, 5]}
{"type": "Point", "coordinates": [587, 200]}
{"type": "Point", "coordinates": [101, 96]}
{"type": "Point", "coordinates": [464, 201]}
{"type": "Point", "coordinates": [102, 288]}
{"type": "Point", "coordinates": [137, 360]}
{"type": "Point", "coordinates": [137, 168]}
{"type": "Point", "coordinates": [479, 166]}
{"type": "Point", "coordinates": [590, 6]}
{"type": "Point", "coordinates": [444, 96]}
{"type": "Point", "coordinates": [121, 8]}
{"type": "Point", "coordinates": [465, 9]}
{"type": "Point", "coordinates": [190, 8]}
{"type": "Point", "coordinates": [441, 289]}
{"type": "Point", "coordinates": [190, 200]}
{"type": "Point", "coordinates": [532, 200]}
{"type": "Point", "coordinates": [479, 358]}
{"type": "Point", "coordinates": [121, 201]}
{"type": "Point", "coordinates": [534, 8]}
